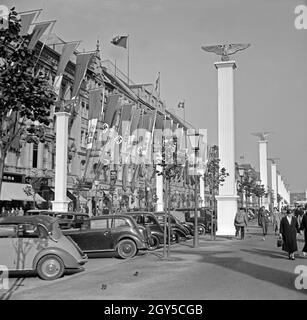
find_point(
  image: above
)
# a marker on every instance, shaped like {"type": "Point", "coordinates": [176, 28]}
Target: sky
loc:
{"type": "Point", "coordinates": [166, 36]}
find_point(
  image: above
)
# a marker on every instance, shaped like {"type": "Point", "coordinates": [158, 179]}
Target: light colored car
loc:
{"type": "Point", "coordinates": [36, 243]}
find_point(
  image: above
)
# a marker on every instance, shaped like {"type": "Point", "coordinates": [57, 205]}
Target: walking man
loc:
{"type": "Point", "coordinates": [240, 222]}
{"type": "Point", "coordinates": [276, 220]}
{"type": "Point", "coordinates": [264, 217]}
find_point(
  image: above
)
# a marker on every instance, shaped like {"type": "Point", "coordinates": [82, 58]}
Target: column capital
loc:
{"type": "Point", "coordinates": [62, 113]}
{"type": "Point", "coordinates": [225, 64]}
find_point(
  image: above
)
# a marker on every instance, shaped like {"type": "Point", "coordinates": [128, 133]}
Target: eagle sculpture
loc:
{"type": "Point", "coordinates": [262, 135]}
{"type": "Point", "coordinates": [225, 50]}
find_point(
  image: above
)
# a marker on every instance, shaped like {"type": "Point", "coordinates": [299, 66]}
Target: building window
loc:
{"type": "Point", "coordinates": [35, 155]}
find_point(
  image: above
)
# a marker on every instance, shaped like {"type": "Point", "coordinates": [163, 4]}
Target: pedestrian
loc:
{"type": "Point", "coordinates": [303, 227]}
{"type": "Point", "coordinates": [276, 220]}
{"type": "Point", "coordinates": [288, 229]}
{"type": "Point", "coordinates": [21, 211]}
{"type": "Point", "coordinates": [264, 217]}
{"type": "Point", "coordinates": [240, 222]}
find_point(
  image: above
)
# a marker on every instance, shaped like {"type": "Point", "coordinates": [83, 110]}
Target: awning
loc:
{"type": "Point", "coordinates": [14, 191]}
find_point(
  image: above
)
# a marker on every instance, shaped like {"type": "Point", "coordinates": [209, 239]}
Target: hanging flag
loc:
{"type": "Point", "coordinates": [67, 51]}
{"type": "Point", "coordinates": [26, 21]}
{"type": "Point", "coordinates": [112, 105]}
{"type": "Point", "coordinates": [57, 84]}
{"type": "Point", "coordinates": [120, 41]}
{"type": "Point", "coordinates": [95, 110]}
{"type": "Point", "coordinates": [38, 31]}
{"type": "Point", "coordinates": [82, 62]}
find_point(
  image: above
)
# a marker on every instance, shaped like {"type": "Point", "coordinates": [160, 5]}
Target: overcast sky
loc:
{"type": "Point", "coordinates": [166, 36]}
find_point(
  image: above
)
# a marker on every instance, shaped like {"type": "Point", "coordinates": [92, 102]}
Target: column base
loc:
{"type": "Point", "coordinates": [227, 207]}
{"type": "Point", "coordinates": [61, 206]}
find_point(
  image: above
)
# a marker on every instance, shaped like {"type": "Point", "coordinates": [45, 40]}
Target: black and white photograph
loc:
{"type": "Point", "coordinates": [153, 151]}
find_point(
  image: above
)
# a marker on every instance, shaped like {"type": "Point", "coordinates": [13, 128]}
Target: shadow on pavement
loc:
{"type": "Point", "coordinates": [278, 277]}
{"type": "Point", "coordinates": [268, 253]}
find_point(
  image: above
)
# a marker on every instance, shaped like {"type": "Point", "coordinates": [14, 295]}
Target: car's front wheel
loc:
{"type": "Point", "coordinates": [153, 243]}
{"type": "Point", "coordinates": [50, 267]}
{"type": "Point", "coordinates": [126, 248]}
{"type": "Point", "coordinates": [201, 231]}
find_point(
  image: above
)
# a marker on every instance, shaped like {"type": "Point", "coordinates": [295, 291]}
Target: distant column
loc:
{"type": "Point", "coordinates": [274, 183]}
{"type": "Point", "coordinates": [60, 184]}
{"type": "Point", "coordinates": [263, 156]}
{"type": "Point", "coordinates": [279, 187]}
{"type": "Point", "coordinates": [227, 199]}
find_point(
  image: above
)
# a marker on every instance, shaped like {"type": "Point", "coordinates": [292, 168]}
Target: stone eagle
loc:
{"type": "Point", "coordinates": [225, 50]}
{"type": "Point", "coordinates": [261, 135]}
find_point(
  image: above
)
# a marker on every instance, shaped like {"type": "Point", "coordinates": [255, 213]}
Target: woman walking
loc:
{"type": "Point", "coordinates": [288, 229]}
{"type": "Point", "coordinates": [276, 220]}
{"type": "Point", "coordinates": [304, 227]}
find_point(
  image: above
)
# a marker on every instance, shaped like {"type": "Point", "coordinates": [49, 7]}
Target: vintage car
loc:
{"type": "Point", "coordinates": [36, 212]}
{"type": "Point", "coordinates": [180, 217]}
{"type": "Point", "coordinates": [110, 233]}
{"type": "Point", "coordinates": [36, 243]}
{"type": "Point", "coordinates": [68, 220]}
{"type": "Point", "coordinates": [181, 232]}
{"type": "Point", "coordinates": [148, 219]}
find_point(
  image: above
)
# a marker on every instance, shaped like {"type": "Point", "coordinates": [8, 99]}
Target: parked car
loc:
{"type": "Point", "coordinates": [36, 243]}
{"type": "Point", "coordinates": [110, 233]}
{"type": "Point", "coordinates": [36, 212]}
{"type": "Point", "coordinates": [181, 232]}
{"type": "Point", "coordinates": [204, 217]}
{"type": "Point", "coordinates": [180, 216]}
{"type": "Point", "coordinates": [148, 220]}
{"type": "Point", "coordinates": [68, 220]}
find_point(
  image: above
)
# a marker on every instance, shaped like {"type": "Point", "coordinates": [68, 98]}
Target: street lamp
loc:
{"type": "Point", "coordinates": [96, 183]}
{"type": "Point", "coordinates": [241, 174]}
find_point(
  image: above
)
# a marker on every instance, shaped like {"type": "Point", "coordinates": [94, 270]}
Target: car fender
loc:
{"type": "Point", "coordinates": [68, 260]}
{"type": "Point", "coordinates": [138, 242]}
{"type": "Point", "coordinates": [181, 233]}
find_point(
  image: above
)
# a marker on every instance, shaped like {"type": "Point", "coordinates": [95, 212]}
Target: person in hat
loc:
{"type": "Point", "coordinates": [289, 227]}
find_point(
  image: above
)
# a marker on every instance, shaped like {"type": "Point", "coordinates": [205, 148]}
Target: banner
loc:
{"type": "Point", "coordinates": [26, 21]}
{"type": "Point", "coordinates": [82, 62]}
{"type": "Point", "coordinates": [57, 84]}
{"type": "Point", "coordinates": [38, 31]}
{"type": "Point", "coordinates": [67, 51]}
{"type": "Point", "coordinates": [95, 111]}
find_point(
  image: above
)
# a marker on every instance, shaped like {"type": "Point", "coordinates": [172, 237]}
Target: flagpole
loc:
{"type": "Point", "coordinates": [128, 62]}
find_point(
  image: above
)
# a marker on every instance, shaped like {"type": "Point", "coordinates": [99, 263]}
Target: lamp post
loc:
{"type": "Point", "coordinates": [241, 174]}
{"type": "Point", "coordinates": [96, 183]}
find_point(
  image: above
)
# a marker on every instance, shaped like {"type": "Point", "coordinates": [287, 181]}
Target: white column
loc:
{"type": "Point", "coordinates": [305, 194]}
{"type": "Point", "coordinates": [227, 199]}
{"type": "Point", "coordinates": [60, 184]}
{"type": "Point", "coordinates": [263, 166]}
{"type": "Point", "coordinates": [159, 190]}
{"type": "Point", "coordinates": [279, 187]}
{"type": "Point", "coordinates": [274, 182]}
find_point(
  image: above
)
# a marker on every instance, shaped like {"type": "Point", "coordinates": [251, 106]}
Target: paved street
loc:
{"type": "Point", "coordinates": [221, 269]}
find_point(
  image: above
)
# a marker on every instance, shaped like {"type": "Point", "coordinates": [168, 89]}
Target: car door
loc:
{"type": "Point", "coordinates": [8, 243]}
{"type": "Point", "coordinates": [96, 238]}
{"type": "Point", "coordinates": [28, 244]}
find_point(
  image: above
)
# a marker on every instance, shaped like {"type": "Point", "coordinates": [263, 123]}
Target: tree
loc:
{"type": "Point", "coordinates": [25, 98]}
{"type": "Point", "coordinates": [214, 176]}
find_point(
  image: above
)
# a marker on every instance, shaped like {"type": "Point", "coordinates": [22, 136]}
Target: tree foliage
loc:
{"type": "Point", "coordinates": [25, 97]}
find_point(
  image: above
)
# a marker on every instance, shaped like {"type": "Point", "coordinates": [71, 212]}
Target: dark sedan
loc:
{"type": "Point", "coordinates": [111, 233]}
{"type": "Point", "coordinates": [148, 220]}
{"type": "Point", "coordinates": [179, 230]}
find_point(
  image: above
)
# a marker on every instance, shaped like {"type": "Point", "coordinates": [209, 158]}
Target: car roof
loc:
{"type": "Point", "coordinates": [139, 212]}
{"type": "Point", "coordinates": [45, 220]}
{"type": "Point", "coordinates": [110, 216]}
